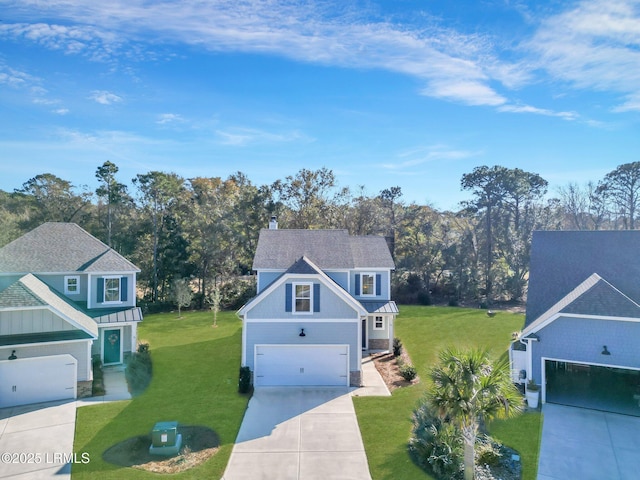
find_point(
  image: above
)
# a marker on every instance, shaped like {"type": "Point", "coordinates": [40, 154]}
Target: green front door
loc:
{"type": "Point", "coordinates": [111, 351]}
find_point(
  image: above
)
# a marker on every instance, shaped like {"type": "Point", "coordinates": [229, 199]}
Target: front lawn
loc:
{"type": "Point", "coordinates": [195, 382]}
{"type": "Point", "coordinates": [385, 423]}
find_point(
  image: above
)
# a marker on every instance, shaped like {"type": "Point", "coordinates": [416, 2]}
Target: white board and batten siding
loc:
{"type": "Point", "coordinates": [301, 365]}
{"type": "Point", "coordinates": [37, 379]}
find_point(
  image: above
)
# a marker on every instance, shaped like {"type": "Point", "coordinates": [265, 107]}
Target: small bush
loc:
{"type": "Point", "coordinates": [138, 372]}
{"type": "Point", "coordinates": [408, 372]}
{"type": "Point", "coordinates": [143, 347]}
{"type": "Point", "coordinates": [244, 382]}
{"type": "Point", "coordinates": [436, 444]}
{"type": "Point", "coordinates": [397, 347]}
{"type": "Point", "coordinates": [488, 452]}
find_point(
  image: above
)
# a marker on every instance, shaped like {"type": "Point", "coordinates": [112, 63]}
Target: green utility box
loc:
{"type": "Point", "coordinates": [165, 439]}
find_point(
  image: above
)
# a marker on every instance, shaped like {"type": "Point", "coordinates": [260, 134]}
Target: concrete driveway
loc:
{"type": "Point", "coordinates": [299, 433]}
{"type": "Point", "coordinates": [36, 441]}
{"type": "Point", "coordinates": [584, 444]}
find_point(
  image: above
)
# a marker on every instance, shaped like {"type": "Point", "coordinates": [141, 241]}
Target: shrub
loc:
{"type": "Point", "coordinates": [397, 347]}
{"type": "Point", "coordinates": [488, 451]}
{"type": "Point", "coordinates": [244, 382]}
{"type": "Point", "coordinates": [138, 371]}
{"type": "Point", "coordinates": [436, 444]}
{"type": "Point", "coordinates": [408, 372]}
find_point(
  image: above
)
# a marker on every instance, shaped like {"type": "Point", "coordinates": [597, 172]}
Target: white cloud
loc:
{"type": "Point", "coordinates": [104, 97]}
{"type": "Point", "coordinates": [240, 137]}
{"type": "Point", "coordinates": [538, 111]}
{"type": "Point", "coordinates": [420, 155]}
{"type": "Point", "coordinates": [595, 46]}
{"type": "Point", "coordinates": [166, 118]}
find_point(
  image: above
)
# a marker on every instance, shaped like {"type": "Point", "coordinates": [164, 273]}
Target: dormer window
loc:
{"type": "Point", "coordinates": [368, 284]}
{"type": "Point", "coordinates": [72, 285]}
{"type": "Point", "coordinates": [112, 289]}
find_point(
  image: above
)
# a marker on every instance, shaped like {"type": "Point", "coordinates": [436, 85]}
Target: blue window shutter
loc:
{"type": "Point", "coordinates": [100, 291]}
{"type": "Point", "coordinates": [357, 284]}
{"type": "Point", "coordinates": [287, 299]}
{"type": "Point", "coordinates": [123, 289]}
{"type": "Point", "coordinates": [316, 297]}
{"type": "Point", "coordinates": [378, 284]}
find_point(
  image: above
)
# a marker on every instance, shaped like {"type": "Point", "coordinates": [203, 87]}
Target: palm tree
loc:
{"type": "Point", "coordinates": [468, 388]}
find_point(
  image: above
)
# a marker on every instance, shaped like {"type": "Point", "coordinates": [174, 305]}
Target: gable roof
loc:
{"type": "Point", "coordinates": [29, 291]}
{"type": "Point", "coordinates": [593, 297]}
{"type": "Point", "coordinates": [61, 247]}
{"type": "Point", "coordinates": [561, 260]}
{"type": "Point", "coordinates": [305, 267]}
{"type": "Point", "coordinates": [329, 249]}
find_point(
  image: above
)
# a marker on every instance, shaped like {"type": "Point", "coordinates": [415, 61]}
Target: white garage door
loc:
{"type": "Point", "coordinates": [301, 365]}
{"type": "Point", "coordinates": [38, 379]}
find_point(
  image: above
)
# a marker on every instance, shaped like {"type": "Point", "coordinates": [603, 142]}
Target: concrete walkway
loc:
{"type": "Point", "coordinates": [115, 386]}
{"type": "Point", "coordinates": [304, 433]}
{"type": "Point", "coordinates": [584, 444]}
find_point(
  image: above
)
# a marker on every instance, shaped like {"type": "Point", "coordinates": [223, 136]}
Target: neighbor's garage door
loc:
{"type": "Point", "coordinates": [301, 365]}
{"type": "Point", "coordinates": [38, 379]}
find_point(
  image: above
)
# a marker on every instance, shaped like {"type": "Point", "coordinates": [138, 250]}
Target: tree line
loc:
{"type": "Point", "coordinates": [205, 229]}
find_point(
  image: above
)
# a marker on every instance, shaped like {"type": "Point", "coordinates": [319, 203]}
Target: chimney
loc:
{"type": "Point", "coordinates": [273, 223]}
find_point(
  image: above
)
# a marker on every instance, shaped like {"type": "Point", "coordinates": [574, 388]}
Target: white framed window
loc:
{"type": "Point", "coordinates": [378, 323]}
{"type": "Point", "coordinates": [111, 289]}
{"type": "Point", "coordinates": [302, 298]}
{"type": "Point", "coordinates": [72, 285]}
{"type": "Point", "coordinates": [368, 284]}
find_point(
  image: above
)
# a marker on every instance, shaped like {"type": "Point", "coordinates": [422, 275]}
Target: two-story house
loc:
{"type": "Point", "coordinates": [64, 297]}
{"type": "Point", "coordinates": [323, 297]}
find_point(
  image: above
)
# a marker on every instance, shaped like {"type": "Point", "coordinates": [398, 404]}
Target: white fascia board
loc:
{"type": "Point", "coordinates": [303, 320]}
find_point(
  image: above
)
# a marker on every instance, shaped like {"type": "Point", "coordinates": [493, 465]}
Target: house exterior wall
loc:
{"type": "Point", "coordinates": [267, 278]}
{"type": "Point", "coordinates": [57, 282]}
{"type": "Point", "coordinates": [273, 305]}
{"type": "Point", "coordinates": [581, 340]}
{"type": "Point", "coordinates": [317, 332]}
{"type": "Point", "coordinates": [341, 278]}
{"type": "Point", "coordinates": [6, 280]}
{"type": "Point", "coordinates": [15, 322]}
{"type": "Point", "coordinates": [78, 349]}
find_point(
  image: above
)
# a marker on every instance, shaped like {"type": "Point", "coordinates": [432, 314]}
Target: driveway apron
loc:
{"type": "Point", "coordinates": [584, 444]}
{"type": "Point", "coordinates": [299, 433]}
{"type": "Point", "coordinates": [36, 441]}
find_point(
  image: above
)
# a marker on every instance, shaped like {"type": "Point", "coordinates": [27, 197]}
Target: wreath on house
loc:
{"type": "Point", "coordinates": [113, 338]}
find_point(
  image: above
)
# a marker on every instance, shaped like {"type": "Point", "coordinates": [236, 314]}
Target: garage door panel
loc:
{"type": "Point", "coordinates": [301, 365]}
{"type": "Point", "coordinates": [38, 379]}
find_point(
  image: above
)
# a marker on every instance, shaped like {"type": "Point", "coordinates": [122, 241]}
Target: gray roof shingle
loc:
{"type": "Point", "coordinates": [561, 260]}
{"type": "Point", "coordinates": [61, 247]}
{"type": "Point", "coordinates": [328, 249]}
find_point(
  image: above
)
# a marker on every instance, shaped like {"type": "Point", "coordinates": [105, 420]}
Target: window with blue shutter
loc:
{"type": "Point", "coordinates": [357, 284]}
{"type": "Point", "coordinates": [378, 284]}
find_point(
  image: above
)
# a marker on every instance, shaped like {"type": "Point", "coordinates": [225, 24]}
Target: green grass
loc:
{"type": "Point", "coordinates": [385, 423]}
{"type": "Point", "coordinates": [195, 382]}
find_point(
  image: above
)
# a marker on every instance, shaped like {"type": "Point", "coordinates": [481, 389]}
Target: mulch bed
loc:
{"type": "Point", "coordinates": [387, 366]}
{"type": "Point", "coordinates": [198, 445]}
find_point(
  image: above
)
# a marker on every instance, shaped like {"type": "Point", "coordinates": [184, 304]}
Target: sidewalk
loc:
{"type": "Point", "coordinates": [372, 383]}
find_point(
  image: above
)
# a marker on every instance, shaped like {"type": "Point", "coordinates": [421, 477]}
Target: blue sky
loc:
{"type": "Point", "coordinates": [413, 93]}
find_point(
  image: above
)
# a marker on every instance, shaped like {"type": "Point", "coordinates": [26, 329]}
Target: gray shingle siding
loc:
{"type": "Point", "coordinates": [273, 305]}
{"type": "Point", "coordinates": [581, 340]}
{"type": "Point", "coordinates": [287, 333]}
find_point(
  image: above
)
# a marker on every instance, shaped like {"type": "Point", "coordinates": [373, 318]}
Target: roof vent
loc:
{"type": "Point", "coordinates": [273, 223]}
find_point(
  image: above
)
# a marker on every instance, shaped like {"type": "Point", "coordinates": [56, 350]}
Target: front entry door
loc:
{"type": "Point", "coordinates": [112, 346]}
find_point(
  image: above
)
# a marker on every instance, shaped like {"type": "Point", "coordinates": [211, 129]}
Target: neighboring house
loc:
{"type": "Point", "coordinates": [323, 297]}
{"type": "Point", "coordinates": [582, 329]}
{"type": "Point", "coordinates": [64, 297]}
